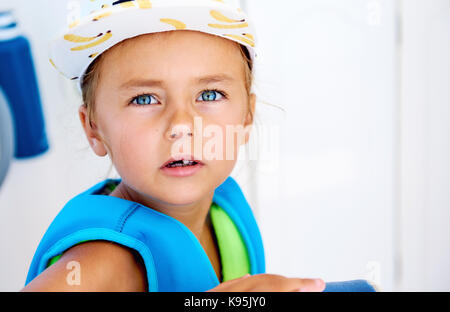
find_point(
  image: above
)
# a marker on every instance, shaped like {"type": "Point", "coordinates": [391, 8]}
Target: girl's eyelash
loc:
{"type": "Point", "coordinates": [217, 90]}
{"type": "Point", "coordinates": [141, 94]}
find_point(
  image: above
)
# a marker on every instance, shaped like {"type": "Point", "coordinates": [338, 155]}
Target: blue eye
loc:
{"type": "Point", "coordinates": [211, 95]}
{"type": "Point", "coordinates": [142, 100]}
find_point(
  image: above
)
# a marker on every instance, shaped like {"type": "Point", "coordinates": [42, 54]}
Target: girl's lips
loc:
{"type": "Point", "coordinates": [182, 171]}
{"type": "Point", "coordinates": [181, 157]}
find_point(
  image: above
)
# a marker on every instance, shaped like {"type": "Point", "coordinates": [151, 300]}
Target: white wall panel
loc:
{"type": "Point", "coordinates": [329, 209]}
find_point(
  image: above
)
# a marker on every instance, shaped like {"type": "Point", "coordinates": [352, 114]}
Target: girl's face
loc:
{"type": "Point", "coordinates": [151, 85]}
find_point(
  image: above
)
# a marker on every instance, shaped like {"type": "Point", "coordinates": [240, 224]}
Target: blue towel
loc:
{"type": "Point", "coordinates": [19, 83]}
{"type": "Point", "coordinates": [349, 286]}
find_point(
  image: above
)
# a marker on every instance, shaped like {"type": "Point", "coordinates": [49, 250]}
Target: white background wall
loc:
{"type": "Point", "coordinates": [425, 138]}
{"type": "Point", "coordinates": [356, 178]}
{"type": "Point", "coordinates": [329, 211]}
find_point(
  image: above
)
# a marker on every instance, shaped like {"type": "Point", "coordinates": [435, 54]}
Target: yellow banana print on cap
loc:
{"type": "Point", "coordinates": [101, 16]}
{"type": "Point", "coordinates": [230, 26]}
{"type": "Point", "coordinates": [127, 4]}
{"type": "Point", "coordinates": [107, 36]}
{"type": "Point", "coordinates": [75, 38]}
{"type": "Point", "coordinates": [75, 23]}
{"type": "Point", "coordinates": [243, 39]}
{"type": "Point", "coordinates": [177, 24]}
{"type": "Point", "coordinates": [144, 4]}
{"type": "Point", "coordinates": [222, 18]}
{"type": "Point", "coordinates": [249, 36]}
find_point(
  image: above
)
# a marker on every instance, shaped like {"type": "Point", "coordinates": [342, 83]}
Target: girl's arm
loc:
{"type": "Point", "coordinates": [105, 266]}
{"type": "Point", "coordinates": [93, 266]}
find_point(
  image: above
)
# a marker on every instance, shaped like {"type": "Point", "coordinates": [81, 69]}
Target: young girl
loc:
{"type": "Point", "coordinates": [157, 77]}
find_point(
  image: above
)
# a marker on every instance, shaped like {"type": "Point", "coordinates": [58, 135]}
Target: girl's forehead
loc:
{"type": "Point", "coordinates": [174, 51]}
{"type": "Point", "coordinates": [182, 41]}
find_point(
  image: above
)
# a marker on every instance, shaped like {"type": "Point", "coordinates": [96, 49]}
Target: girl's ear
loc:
{"type": "Point", "coordinates": [91, 133]}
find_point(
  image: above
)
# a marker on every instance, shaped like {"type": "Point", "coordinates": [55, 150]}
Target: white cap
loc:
{"type": "Point", "coordinates": [103, 24]}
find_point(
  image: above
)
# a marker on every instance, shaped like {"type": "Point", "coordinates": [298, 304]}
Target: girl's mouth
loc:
{"type": "Point", "coordinates": [181, 163]}
{"type": "Point", "coordinates": [182, 168]}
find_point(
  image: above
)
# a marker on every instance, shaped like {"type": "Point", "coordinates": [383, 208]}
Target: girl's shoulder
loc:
{"type": "Point", "coordinates": [93, 266]}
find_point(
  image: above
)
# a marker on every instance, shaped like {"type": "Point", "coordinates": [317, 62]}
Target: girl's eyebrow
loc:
{"type": "Point", "coordinates": [158, 83]}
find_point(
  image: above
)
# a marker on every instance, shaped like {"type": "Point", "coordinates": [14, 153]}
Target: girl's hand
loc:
{"type": "Point", "coordinates": [269, 283]}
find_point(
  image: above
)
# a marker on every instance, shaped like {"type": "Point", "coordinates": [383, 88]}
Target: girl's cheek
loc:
{"type": "Point", "coordinates": [232, 133]}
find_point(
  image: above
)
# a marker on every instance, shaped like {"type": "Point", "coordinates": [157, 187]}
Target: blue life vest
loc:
{"type": "Point", "coordinates": [173, 257]}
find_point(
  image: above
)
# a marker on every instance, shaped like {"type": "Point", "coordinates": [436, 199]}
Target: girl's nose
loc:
{"type": "Point", "coordinates": [180, 125]}
{"type": "Point", "coordinates": [178, 132]}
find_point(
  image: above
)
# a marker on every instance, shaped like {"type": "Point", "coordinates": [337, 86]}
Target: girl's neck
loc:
{"type": "Point", "coordinates": [194, 216]}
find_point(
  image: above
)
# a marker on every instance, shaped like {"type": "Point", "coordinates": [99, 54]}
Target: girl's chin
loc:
{"type": "Point", "coordinates": [183, 193]}
{"type": "Point", "coordinates": [182, 197]}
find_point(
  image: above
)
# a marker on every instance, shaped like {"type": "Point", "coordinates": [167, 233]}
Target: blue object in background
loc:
{"type": "Point", "coordinates": [19, 83]}
{"type": "Point", "coordinates": [349, 286]}
{"type": "Point", "coordinates": [6, 137]}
